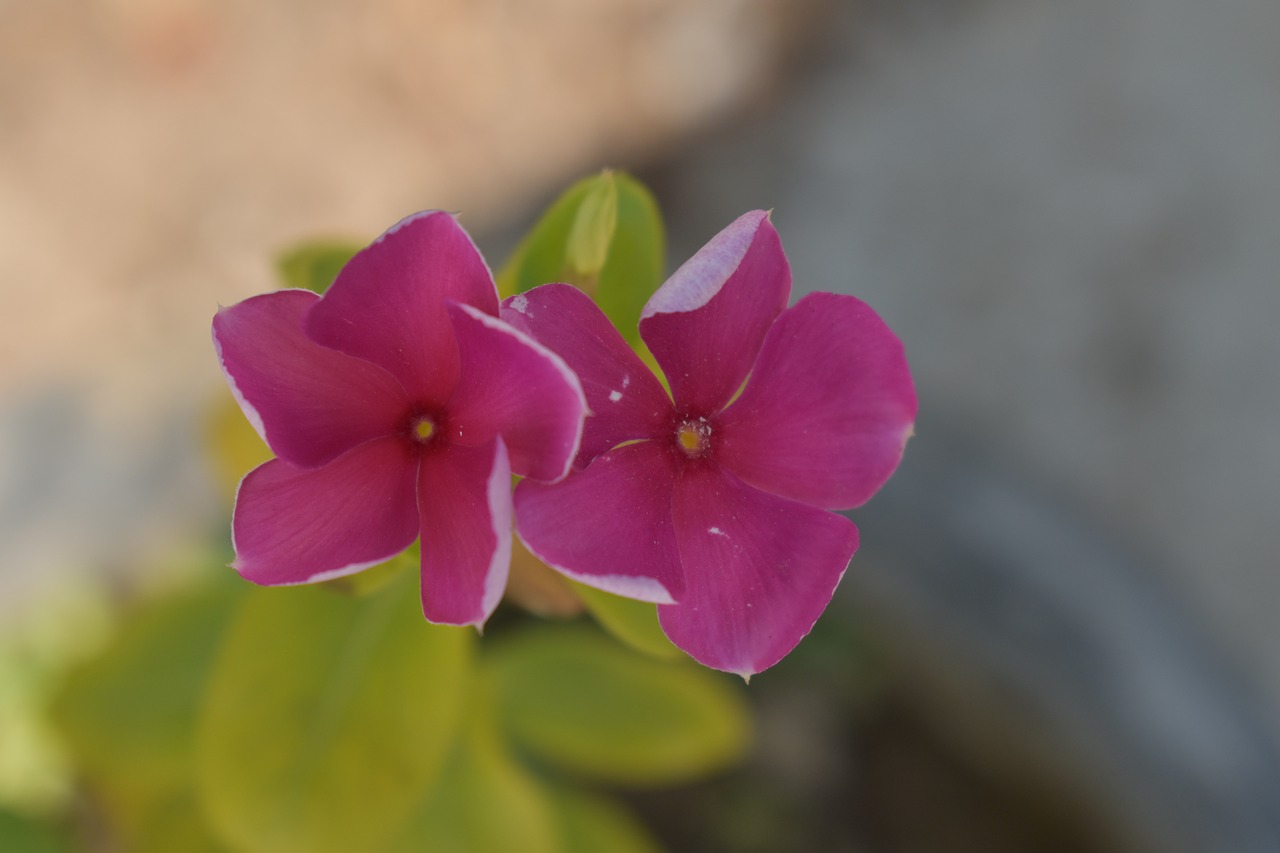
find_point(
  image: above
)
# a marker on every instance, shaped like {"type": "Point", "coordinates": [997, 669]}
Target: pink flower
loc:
{"type": "Point", "coordinates": [710, 502]}
{"type": "Point", "coordinates": [398, 405]}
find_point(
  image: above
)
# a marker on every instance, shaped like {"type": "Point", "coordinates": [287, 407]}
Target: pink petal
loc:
{"type": "Point", "coordinates": [609, 526]}
{"type": "Point", "coordinates": [626, 401]}
{"type": "Point", "coordinates": [464, 499]}
{"type": "Point", "coordinates": [828, 410]}
{"type": "Point", "coordinates": [309, 403]}
{"type": "Point", "coordinates": [388, 303]}
{"type": "Point", "coordinates": [512, 386]}
{"type": "Point", "coordinates": [705, 325]}
{"type": "Point", "coordinates": [304, 525]}
{"type": "Point", "coordinates": [759, 571]}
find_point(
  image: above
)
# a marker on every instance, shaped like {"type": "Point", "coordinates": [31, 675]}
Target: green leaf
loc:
{"type": "Point", "coordinates": [41, 643]}
{"type": "Point", "coordinates": [603, 235]}
{"type": "Point", "coordinates": [484, 800]}
{"type": "Point", "coordinates": [22, 835]}
{"type": "Point", "coordinates": [177, 824]}
{"type": "Point", "coordinates": [593, 227]}
{"type": "Point", "coordinates": [314, 265]}
{"type": "Point", "coordinates": [589, 824]}
{"type": "Point", "coordinates": [540, 257]}
{"type": "Point", "coordinates": [537, 587]}
{"type": "Point", "coordinates": [234, 447]}
{"type": "Point", "coordinates": [377, 577]}
{"type": "Point", "coordinates": [572, 696]}
{"type": "Point", "coordinates": [633, 622]}
{"type": "Point", "coordinates": [328, 718]}
{"type": "Point", "coordinates": [128, 716]}
{"type": "Point", "coordinates": [637, 255]}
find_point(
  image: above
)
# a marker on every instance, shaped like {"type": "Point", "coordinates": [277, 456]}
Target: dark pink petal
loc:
{"type": "Point", "coordinates": [388, 303]}
{"type": "Point", "coordinates": [512, 386]}
{"type": "Point", "coordinates": [705, 325]}
{"type": "Point", "coordinates": [828, 410]}
{"type": "Point", "coordinates": [759, 571]}
{"type": "Point", "coordinates": [609, 526]}
{"type": "Point", "coordinates": [464, 498]}
{"type": "Point", "coordinates": [304, 525]}
{"type": "Point", "coordinates": [626, 401]}
{"type": "Point", "coordinates": [309, 403]}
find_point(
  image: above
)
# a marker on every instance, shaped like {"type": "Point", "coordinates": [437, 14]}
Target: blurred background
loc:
{"type": "Point", "coordinates": [1060, 633]}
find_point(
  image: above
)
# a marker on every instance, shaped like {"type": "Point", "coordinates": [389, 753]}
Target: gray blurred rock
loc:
{"type": "Point", "coordinates": [1049, 658]}
{"type": "Point", "coordinates": [1071, 214]}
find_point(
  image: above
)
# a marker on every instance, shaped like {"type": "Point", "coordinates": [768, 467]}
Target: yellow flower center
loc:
{"type": "Point", "coordinates": [694, 436]}
{"type": "Point", "coordinates": [423, 429]}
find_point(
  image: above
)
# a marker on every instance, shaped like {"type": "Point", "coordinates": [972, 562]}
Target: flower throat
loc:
{"type": "Point", "coordinates": [694, 437]}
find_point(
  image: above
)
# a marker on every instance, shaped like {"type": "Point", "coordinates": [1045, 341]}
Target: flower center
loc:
{"type": "Point", "coordinates": [694, 437]}
{"type": "Point", "coordinates": [423, 429]}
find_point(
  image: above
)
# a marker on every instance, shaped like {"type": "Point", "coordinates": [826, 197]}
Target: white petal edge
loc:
{"type": "Point", "coordinates": [689, 287]}
{"type": "Point", "coordinates": [427, 214]}
{"type": "Point", "coordinates": [628, 586]}
{"type": "Point", "coordinates": [318, 577]}
{"type": "Point", "coordinates": [556, 361]}
{"type": "Point", "coordinates": [250, 412]}
{"type": "Point", "coordinates": [500, 517]}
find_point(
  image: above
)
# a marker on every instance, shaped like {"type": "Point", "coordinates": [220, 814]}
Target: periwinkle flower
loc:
{"type": "Point", "coordinates": [398, 405]}
{"type": "Point", "coordinates": [714, 502]}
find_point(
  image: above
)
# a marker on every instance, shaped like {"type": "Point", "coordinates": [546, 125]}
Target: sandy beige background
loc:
{"type": "Point", "coordinates": [156, 155]}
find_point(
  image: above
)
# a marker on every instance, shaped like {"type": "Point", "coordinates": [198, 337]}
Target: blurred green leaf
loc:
{"type": "Point", "coordinates": [540, 257]}
{"type": "Point", "coordinates": [571, 696]}
{"type": "Point", "coordinates": [592, 230]}
{"type": "Point", "coordinates": [128, 716]}
{"type": "Point", "coordinates": [589, 824]}
{"type": "Point", "coordinates": [234, 447]}
{"type": "Point", "coordinates": [177, 824]}
{"type": "Point", "coordinates": [41, 643]}
{"type": "Point", "coordinates": [483, 800]}
{"type": "Point", "coordinates": [633, 622]}
{"type": "Point", "coordinates": [537, 587]}
{"type": "Point", "coordinates": [377, 577]}
{"type": "Point", "coordinates": [637, 256]}
{"type": "Point", "coordinates": [23, 835]}
{"type": "Point", "coordinates": [328, 718]}
{"type": "Point", "coordinates": [314, 265]}
{"type": "Point", "coordinates": [604, 235]}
